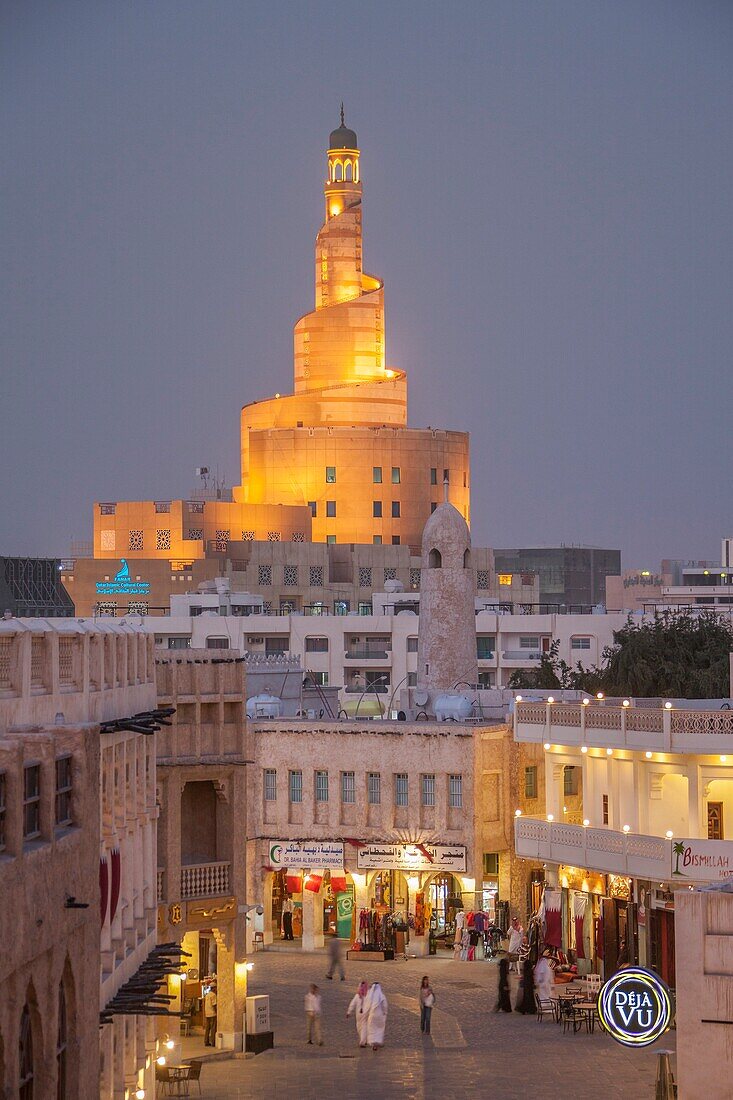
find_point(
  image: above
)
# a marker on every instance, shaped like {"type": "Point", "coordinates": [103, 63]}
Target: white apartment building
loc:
{"type": "Point", "coordinates": [375, 654]}
{"type": "Point", "coordinates": [639, 803]}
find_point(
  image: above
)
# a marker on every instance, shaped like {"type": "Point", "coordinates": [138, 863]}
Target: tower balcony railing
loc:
{"type": "Point", "coordinates": [205, 880]}
{"type": "Point", "coordinates": [605, 850]}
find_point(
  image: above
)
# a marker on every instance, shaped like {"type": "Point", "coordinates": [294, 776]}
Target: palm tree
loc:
{"type": "Point", "coordinates": [679, 850]}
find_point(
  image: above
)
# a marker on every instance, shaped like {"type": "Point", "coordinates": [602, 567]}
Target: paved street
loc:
{"type": "Point", "coordinates": [472, 1051]}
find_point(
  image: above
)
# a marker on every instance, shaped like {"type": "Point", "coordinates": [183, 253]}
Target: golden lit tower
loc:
{"type": "Point", "coordinates": [340, 443]}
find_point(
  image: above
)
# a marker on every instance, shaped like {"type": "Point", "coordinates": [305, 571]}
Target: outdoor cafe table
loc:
{"type": "Point", "coordinates": [178, 1078]}
{"type": "Point", "coordinates": [590, 1011]}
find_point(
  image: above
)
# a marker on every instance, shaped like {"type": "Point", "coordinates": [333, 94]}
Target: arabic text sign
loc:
{"type": "Point", "coordinates": [702, 860]}
{"type": "Point", "coordinates": [635, 1006]}
{"type": "Point", "coordinates": [408, 857]}
{"type": "Point", "coordinates": [123, 588]}
{"type": "Point", "coordinates": [296, 855]}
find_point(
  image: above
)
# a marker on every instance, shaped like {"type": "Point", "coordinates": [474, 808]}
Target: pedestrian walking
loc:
{"type": "Point", "coordinates": [356, 1006]}
{"type": "Point", "coordinates": [544, 978]}
{"type": "Point", "coordinates": [335, 958]}
{"type": "Point", "coordinates": [287, 919]}
{"type": "Point", "coordinates": [313, 1015]}
{"type": "Point", "coordinates": [516, 935]}
{"type": "Point", "coordinates": [210, 1016]}
{"type": "Point", "coordinates": [427, 1000]}
{"type": "Point", "coordinates": [504, 1003]}
{"type": "Point", "coordinates": [376, 1012]}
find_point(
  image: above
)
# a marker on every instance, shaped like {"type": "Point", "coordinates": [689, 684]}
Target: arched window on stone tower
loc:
{"type": "Point", "coordinates": [435, 559]}
{"type": "Point", "coordinates": [348, 171]}
{"type": "Point", "coordinates": [338, 172]}
{"type": "Point", "coordinates": [466, 559]}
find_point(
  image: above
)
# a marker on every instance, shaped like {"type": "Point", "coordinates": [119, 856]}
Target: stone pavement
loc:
{"type": "Point", "coordinates": [472, 1052]}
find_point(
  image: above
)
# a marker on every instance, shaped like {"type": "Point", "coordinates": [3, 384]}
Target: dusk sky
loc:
{"type": "Point", "coordinates": [547, 194]}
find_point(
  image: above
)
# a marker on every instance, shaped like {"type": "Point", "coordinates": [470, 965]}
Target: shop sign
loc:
{"type": "Point", "coordinates": [296, 855]}
{"type": "Point", "coordinates": [702, 860]}
{"type": "Point", "coordinates": [412, 857]}
{"type": "Point", "coordinates": [122, 584]}
{"type": "Point", "coordinates": [635, 1007]}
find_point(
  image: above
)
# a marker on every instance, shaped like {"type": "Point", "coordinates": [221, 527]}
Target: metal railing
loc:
{"type": "Point", "coordinates": [204, 880]}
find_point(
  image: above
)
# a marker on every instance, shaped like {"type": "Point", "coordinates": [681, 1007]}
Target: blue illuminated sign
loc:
{"type": "Point", "coordinates": [122, 584]}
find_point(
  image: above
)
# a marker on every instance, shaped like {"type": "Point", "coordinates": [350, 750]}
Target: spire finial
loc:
{"type": "Point", "coordinates": [342, 112]}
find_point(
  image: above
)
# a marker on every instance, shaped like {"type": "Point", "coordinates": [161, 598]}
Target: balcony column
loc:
{"type": "Point", "coordinates": [554, 787]}
{"type": "Point", "coordinates": [694, 803]}
{"type": "Point", "coordinates": [231, 983]}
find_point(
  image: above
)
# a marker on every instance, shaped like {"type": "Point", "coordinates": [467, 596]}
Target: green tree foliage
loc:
{"type": "Point", "coordinates": [675, 654]}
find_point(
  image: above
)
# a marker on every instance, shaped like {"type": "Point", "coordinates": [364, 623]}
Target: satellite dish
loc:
{"type": "Point", "coordinates": [421, 697]}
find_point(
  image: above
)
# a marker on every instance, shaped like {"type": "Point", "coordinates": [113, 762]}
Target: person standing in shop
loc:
{"type": "Point", "coordinates": [210, 1016]}
{"type": "Point", "coordinates": [313, 1015]}
{"type": "Point", "coordinates": [427, 1001]}
{"type": "Point", "coordinates": [357, 1007]}
{"type": "Point", "coordinates": [287, 919]}
{"type": "Point", "coordinates": [376, 1007]}
{"type": "Point", "coordinates": [516, 934]}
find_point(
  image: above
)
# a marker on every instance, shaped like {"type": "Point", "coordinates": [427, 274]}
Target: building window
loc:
{"type": "Point", "coordinates": [412, 679]}
{"type": "Point", "coordinates": [455, 792]}
{"type": "Point", "coordinates": [61, 1041]}
{"type": "Point", "coordinates": [414, 579]}
{"type": "Point", "coordinates": [715, 821]}
{"type": "Point", "coordinates": [217, 643]}
{"type": "Point", "coordinates": [137, 607]}
{"type": "Point", "coordinates": [374, 788]}
{"type": "Point", "coordinates": [264, 575]}
{"type": "Point", "coordinates": [412, 644]}
{"type": "Point", "coordinates": [3, 810]}
{"type": "Point", "coordinates": [427, 791]}
{"type": "Point", "coordinates": [195, 534]}
{"type": "Point", "coordinates": [290, 576]}
{"type": "Point", "coordinates": [570, 780]}
{"type": "Point", "coordinates": [179, 643]}
{"type": "Point", "coordinates": [247, 536]}
{"type": "Point", "coordinates": [433, 475]}
{"type": "Point", "coordinates": [316, 576]}
{"type": "Point", "coordinates": [530, 781]}
{"type": "Point", "coordinates": [377, 509]}
{"type": "Point", "coordinates": [395, 475]}
{"type": "Point", "coordinates": [31, 801]}
{"type": "Point", "coordinates": [313, 505]}
{"type": "Point", "coordinates": [330, 475]}
{"type": "Point", "coordinates": [395, 509]}
{"type": "Point", "coordinates": [400, 789]}
{"type": "Point", "coordinates": [348, 787]}
{"type": "Point", "coordinates": [316, 645]}
{"type": "Point", "coordinates": [270, 784]}
{"type": "Point", "coordinates": [390, 573]}
{"type": "Point", "coordinates": [295, 785]}
{"type": "Point", "coordinates": [529, 643]}
{"type": "Point", "coordinates": [365, 577]}
{"type": "Point", "coordinates": [446, 475]}
{"type": "Point", "coordinates": [319, 678]}
{"type": "Point", "coordinates": [433, 506]}
{"type": "Point", "coordinates": [580, 643]}
{"type": "Point", "coordinates": [63, 790]}
{"type": "Point", "coordinates": [491, 864]}
{"type": "Point", "coordinates": [483, 579]}
{"type": "Point", "coordinates": [107, 509]}
{"type": "Point", "coordinates": [331, 540]}
{"type": "Point", "coordinates": [297, 536]}
{"type": "Point", "coordinates": [321, 786]}
{"type": "Point", "coordinates": [377, 475]}
{"type": "Point", "coordinates": [330, 509]}
{"type": "Point", "coordinates": [272, 536]}
{"type": "Point", "coordinates": [25, 1056]}
{"type": "Point", "coordinates": [395, 540]}
{"type": "Point", "coordinates": [135, 542]}
{"type": "Point", "coordinates": [605, 809]}
{"type": "Point", "coordinates": [377, 540]}
{"type": "Point", "coordinates": [485, 646]}
{"type": "Point", "coordinates": [162, 506]}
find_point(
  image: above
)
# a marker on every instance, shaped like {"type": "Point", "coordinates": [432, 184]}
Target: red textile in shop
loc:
{"type": "Point", "coordinates": [294, 883]}
{"type": "Point", "coordinates": [338, 882]}
{"type": "Point", "coordinates": [103, 889]}
{"type": "Point", "coordinates": [115, 883]}
{"type": "Point", "coordinates": [579, 948]}
{"type": "Point", "coordinates": [313, 883]}
{"type": "Point", "coordinates": [553, 918]}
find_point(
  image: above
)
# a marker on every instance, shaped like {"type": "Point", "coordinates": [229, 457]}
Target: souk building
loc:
{"type": "Point", "coordinates": [638, 809]}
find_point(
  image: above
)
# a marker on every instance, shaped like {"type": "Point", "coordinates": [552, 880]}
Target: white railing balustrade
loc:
{"type": "Point", "coordinates": [204, 880]}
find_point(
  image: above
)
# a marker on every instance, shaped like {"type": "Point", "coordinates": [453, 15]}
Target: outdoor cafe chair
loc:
{"type": "Point", "coordinates": [544, 1005]}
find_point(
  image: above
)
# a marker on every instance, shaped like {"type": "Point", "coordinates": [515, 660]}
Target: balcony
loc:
{"type": "Point", "coordinates": [204, 880]}
{"type": "Point", "coordinates": [655, 729]}
{"type": "Point", "coordinates": [366, 689]}
{"type": "Point", "coordinates": [521, 656]}
{"type": "Point", "coordinates": [632, 854]}
{"type": "Point", "coordinates": [367, 653]}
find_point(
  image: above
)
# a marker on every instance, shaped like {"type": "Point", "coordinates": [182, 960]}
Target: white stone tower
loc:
{"type": "Point", "coordinates": [446, 648]}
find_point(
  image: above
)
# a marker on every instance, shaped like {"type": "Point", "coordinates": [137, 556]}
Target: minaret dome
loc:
{"type": "Point", "coordinates": [343, 186]}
